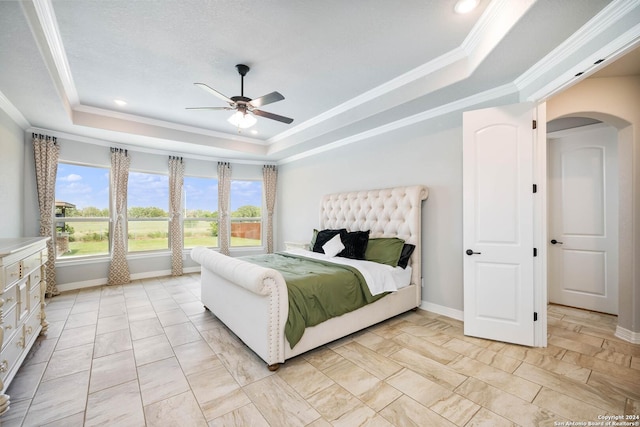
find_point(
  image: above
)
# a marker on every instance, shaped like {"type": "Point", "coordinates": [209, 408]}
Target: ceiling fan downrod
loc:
{"type": "Point", "coordinates": [242, 70]}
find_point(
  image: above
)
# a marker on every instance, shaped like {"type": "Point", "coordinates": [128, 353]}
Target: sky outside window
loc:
{"type": "Point", "coordinates": [82, 186]}
{"type": "Point", "coordinates": [89, 186]}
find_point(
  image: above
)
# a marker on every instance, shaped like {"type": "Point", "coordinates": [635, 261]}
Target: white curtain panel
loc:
{"type": "Point", "coordinates": [176, 183]}
{"type": "Point", "coordinates": [270, 178]}
{"type": "Point", "coordinates": [224, 190]}
{"type": "Point", "coordinates": [119, 268]}
{"type": "Point", "coordinates": [46, 152]}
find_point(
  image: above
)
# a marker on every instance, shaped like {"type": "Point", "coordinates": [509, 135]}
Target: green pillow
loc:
{"type": "Point", "coordinates": [384, 250]}
{"type": "Point", "coordinates": [313, 239]}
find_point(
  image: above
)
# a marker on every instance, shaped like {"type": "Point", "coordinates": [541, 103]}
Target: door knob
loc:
{"type": "Point", "coordinates": [470, 252]}
{"type": "Point", "coordinates": [555, 242]}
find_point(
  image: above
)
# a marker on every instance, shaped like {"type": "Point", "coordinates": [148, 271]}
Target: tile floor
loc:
{"type": "Point", "coordinates": [148, 354]}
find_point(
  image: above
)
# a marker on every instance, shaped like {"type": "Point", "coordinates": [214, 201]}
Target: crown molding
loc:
{"type": "Point", "coordinates": [604, 20]}
{"type": "Point", "coordinates": [457, 64]}
{"type": "Point", "coordinates": [164, 124]}
{"type": "Point", "coordinates": [13, 112]}
{"type": "Point", "coordinates": [498, 18]}
{"type": "Point", "coordinates": [626, 42]}
{"type": "Point", "coordinates": [109, 143]}
{"type": "Point", "coordinates": [478, 44]}
{"type": "Point", "coordinates": [451, 57]}
{"type": "Point", "coordinates": [49, 24]}
{"type": "Point", "coordinates": [490, 28]}
{"type": "Point", "coordinates": [458, 105]}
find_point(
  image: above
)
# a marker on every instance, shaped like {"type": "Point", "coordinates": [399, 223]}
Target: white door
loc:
{"type": "Point", "coordinates": [498, 223]}
{"type": "Point", "coordinates": [583, 219]}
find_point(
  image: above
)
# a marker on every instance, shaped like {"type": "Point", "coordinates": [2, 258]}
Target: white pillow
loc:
{"type": "Point", "coordinates": [333, 247]}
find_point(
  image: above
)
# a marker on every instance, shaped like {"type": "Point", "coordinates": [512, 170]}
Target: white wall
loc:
{"type": "Point", "coordinates": [428, 153]}
{"type": "Point", "coordinates": [12, 154]}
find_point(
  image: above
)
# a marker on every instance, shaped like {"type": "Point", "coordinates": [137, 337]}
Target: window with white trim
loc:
{"type": "Point", "coordinates": [147, 212]}
{"type": "Point", "coordinates": [200, 224]}
{"type": "Point", "coordinates": [246, 213]}
{"type": "Point", "coordinates": [81, 211]}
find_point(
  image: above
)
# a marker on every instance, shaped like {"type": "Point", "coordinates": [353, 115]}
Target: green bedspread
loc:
{"type": "Point", "coordinates": [318, 290]}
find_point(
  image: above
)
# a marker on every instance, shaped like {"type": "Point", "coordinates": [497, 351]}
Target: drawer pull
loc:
{"type": "Point", "coordinates": [29, 330]}
{"type": "Point", "coordinates": [4, 366]}
{"type": "Point", "coordinates": [8, 327]}
{"type": "Point", "coordinates": [9, 299]}
{"type": "Point", "coordinates": [15, 274]}
{"type": "Point", "coordinates": [20, 342]}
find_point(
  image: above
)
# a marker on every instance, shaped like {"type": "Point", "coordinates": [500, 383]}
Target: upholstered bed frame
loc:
{"type": "Point", "coordinates": [253, 301]}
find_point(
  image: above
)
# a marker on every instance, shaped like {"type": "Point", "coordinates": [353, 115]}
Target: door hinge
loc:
{"type": "Point", "coordinates": [535, 316]}
{"type": "Point", "coordinates": [535, 251]}
{"type": "Point", "coordinates": [535, 188]}
{"type": "Point", "coordinates": [534, 124]}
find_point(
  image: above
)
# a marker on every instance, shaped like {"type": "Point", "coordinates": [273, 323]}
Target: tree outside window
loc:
{"type": "Point", "coordinates": [246, 213]}
{"type": "Point", "coordinates": [147, 212]}
{"type": "Point", "coordinates": [200, 212]}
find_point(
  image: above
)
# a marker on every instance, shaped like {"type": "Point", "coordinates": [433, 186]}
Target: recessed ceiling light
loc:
{"type": "Point", "coordinates": [253, 131]}
{"type": "Point", "coordinates": [465, 6]}
{"type": "Point", "coordinates": [120, 102]}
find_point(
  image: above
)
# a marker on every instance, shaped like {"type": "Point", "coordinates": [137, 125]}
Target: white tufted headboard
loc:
{"type": "Point", "coordinates": [390, 212]}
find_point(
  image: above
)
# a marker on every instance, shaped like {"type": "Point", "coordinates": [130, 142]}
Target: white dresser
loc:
{"type": "Point", "coordinates": [22, 316]}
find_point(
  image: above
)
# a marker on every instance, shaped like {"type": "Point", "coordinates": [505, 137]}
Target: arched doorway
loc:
{"type": "Point", "coordinates": [626, 152]}
{"type": "Point", "coordinates": [583, 218]}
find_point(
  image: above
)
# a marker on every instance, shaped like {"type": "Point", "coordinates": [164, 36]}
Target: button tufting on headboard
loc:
{"type": "Point", "coordinates": [389, 212]}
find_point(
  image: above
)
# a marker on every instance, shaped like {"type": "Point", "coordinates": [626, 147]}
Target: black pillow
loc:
{"type": "Point", "coordinates": [407, 250]}
{"type": "Point", "coordinates": [324, 236]}
{"type": "Point", "coordinates": [355, 244]}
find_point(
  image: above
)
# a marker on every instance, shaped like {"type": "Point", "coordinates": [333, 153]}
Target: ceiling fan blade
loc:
{"type": "Point", "coordinates": [272, 116]}
{"type": "Point", "coordinates": [214, 92]}
{"type": "Point", "coordinates": [209, 108]}
{"type": "Point", "coordinates": [267, 99]}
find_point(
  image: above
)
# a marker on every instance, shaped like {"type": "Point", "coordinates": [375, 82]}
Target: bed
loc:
{"type": "Point", "coordinates": [252, 300]}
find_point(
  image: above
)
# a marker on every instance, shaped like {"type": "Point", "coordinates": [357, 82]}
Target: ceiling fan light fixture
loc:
{"type": "Point", "coordinates": [242, 120]}
{"type": "Point", "coordinates": [465, 6]}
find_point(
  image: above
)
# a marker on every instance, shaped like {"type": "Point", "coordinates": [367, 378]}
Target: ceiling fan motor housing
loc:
{"type": "Point", "coordinates": [243, 69]}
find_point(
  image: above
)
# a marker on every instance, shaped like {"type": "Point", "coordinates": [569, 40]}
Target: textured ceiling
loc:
{"type": "Point", "coordinates": [344, 68]}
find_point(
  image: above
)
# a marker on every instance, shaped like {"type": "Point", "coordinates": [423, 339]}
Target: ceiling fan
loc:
{"type": "Point", "coordinates": [244, 106]}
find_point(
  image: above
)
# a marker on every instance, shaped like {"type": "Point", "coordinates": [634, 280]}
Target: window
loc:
{"type": "Point", "coordinates": [148, 212]}
{"type": "Point", "coordinates": [82, 211]}
{"type": "Point", "coordinates": [200, 212]}
{"type": "Point", "coordinates": [246, 213]}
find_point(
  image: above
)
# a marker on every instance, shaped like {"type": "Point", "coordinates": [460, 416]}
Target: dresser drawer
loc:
{"type": "Point", "coordinates": [9, 324]}
{"type": "Point", "coordinates": [34, 294]}
{"type": "Point", "coordinates": [32, 327]}
{"type": "Point", "coordinates": [31, 263]}
{"type": "Point", "coordinates": [35, 277]}
{"type": "Point", "coordinates": [11, 274]}
{"type": "Point", "coordinates": [10, 354]}
{"type": "Point", "coordinates": [10, 298]}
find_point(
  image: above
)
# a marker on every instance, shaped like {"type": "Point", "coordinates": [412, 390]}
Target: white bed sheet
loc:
{"type": "Point", "coordinates": [380, 278]}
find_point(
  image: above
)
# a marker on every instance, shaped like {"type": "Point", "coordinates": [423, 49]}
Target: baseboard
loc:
{"type": "Point", "coordinates": [84, 284]}
{"type": "Point", "coordinates": [627, 335]}
{"type": "Point", "coordinates": [74, 286]}
{"type": "Point", "coordinates": [442, 310]}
